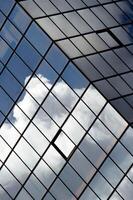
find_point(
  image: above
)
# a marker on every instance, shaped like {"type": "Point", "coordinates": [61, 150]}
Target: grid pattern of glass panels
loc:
{"type": "Point", "coordinates": [97, 36]}
{"type": "Point", "coordinates": [60, 138]}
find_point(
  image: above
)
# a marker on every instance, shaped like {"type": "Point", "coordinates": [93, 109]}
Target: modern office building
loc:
{"type": "Point", "coordinates": [66, 99]}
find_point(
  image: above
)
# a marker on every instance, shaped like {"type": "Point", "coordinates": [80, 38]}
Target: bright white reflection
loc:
{"type": "Point", "coordinates": [49, 129]}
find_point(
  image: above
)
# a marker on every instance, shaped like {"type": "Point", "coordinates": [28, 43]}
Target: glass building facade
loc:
{"type": "Point", "coordinates": [66, 99]}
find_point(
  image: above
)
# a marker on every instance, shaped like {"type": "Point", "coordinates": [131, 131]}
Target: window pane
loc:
{"type": "Point", "coordinates": [72, 180]}
{"type": "Point", "coordinates": [38, 38]}
{"type": "Point", "coordinates": [20, 18]}
{"type": "Point", "coordinates": [28, 54]}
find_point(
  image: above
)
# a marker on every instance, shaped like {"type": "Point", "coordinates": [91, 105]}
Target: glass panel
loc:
{"type": "Point", "coordinates": [10, 34]}
{"type": "Point", "coordinates": [84, 168]}
{"type": "Point", "coordinates": [47, 74]}
{"type": "Point", "coordinates": [10, 84]}
{"type": "Point", "coordinates": [126, 189]}
{"type": "Point", "coordinates": [36, 139]}
{"type": "Point", "coordinates": [91, 19]}
{"type": "Point", "coordinates": [106, 89]}
{"type": "Point", "coordinates": [111, 172]}
{"type": "Point", "coordinates": [47, 6]}
{"type": "Point", "coordinates": [78, 22]}
{"type": "Point", "coordinates": [1, 67]}
{"type": "Point", "coordinates": [93, 152]}
{"type": "Point", "coordinates": [22, 73]}
{"type": "Point", "coordinates": [77, 82]}
{"type": "Point", "coordinates": [120, 85]}
{"type": "Point", "coordinates": [32, 8]}
{"type": "Point", "coordinates": [90, 98]}
{"type": "Point", "coordinates": [72, 180]}
{"type": "Point", "coordinates": [24, 99]}
{"type": "Point", "coordinates": [20, 18]}
{"type": "Point", "coordinates": [128, 77]}
{"type": "Point", "coordinates": [60, 191]}
{"type": "Point", "coordinates": [5, 102]}
{"type": "Point", "coordinates": [83, 45]}
{"type": "Point", "coordinates": [88, 193]}
{"type": "Point", "coordinates": [50, 28]}
{"type": "Point", "coordinates": [65, 95]}
{"type": "Point", "coordinates": [9, 133]}
{"type": "Point", "coordinates": [114, 61]}
{"type": "Point", "coordinates": [117, 13]}
{"type": "Point", "coordinates": [121, 157]}
{"type": "Point", "coordinates": [104, 16]}
{"type": "Point", "coordinates": [101, 186]}
{"type": "Point", "coordinates": [90, 2]}
{"type": "Point", "coordinates": [130, 100]}
{"type": "Point", "coordinates": [2, 117]}
{"type": "Point", "coordinates": [4, 195]}
{"type": "Point", "coordinates": [76, 3]}
{"type": "Point", "coordinates": [96, 42]}
{"type": "Point", "coordinates": [55, 109]}
{"type": "Point", "coordinates": [86, 67]}
{"type": "Point", "coordinates": [19, 119]}
{"type": "Point", "coordinates": [123, 36]}
{"type": "Point", "coordinates": [6, 6]}
{"type": "Point", "coordinates": [73, 130]}
{"type": "Point", "coordinates": [69, 48]}
{"type": "Point", "coordinates": [126, 7]}
{"type": "Point", "coordinates": [130, 174]}
{"type": "Point", "coordinates": [108, 39]}
{"type": "Point", "coordinates": [17, 167]}
{"type": "Point", "coordinates": [102, 135]}
{"type": "Point", "coordinates": [64, 25]}
{"type": "Point", "coordinates": [2, 19]}
{"type": "Point", "coordinates": [36, 85]}
{"type": "Point", "coordinates": [56, 58]}
{"type": "Point", "coordinates": [45, 124]}
{"type": "Point", "coordinates": [124, 108]}
{"type": "Point", "coordinates": [23, 194]}
{"type": "Point", "coordinates": [64, 144]}
{"type": "Point", "coordinates": [38, 38]}
{"type": "Point", "coordinates": [28, 54]}
{"type": "Point", "coordinates": [35, 188]}
{"type": "Point", "coordinates": [101, 65]}
{"type": "Point", "coordinates": [44, 173]}
{"type": "Point", "coordinates": [9, 182]}
{"type": "Point", "coordinates": [125, 56]}
{"type": "Point", "coordinates": [110, 117]}
{"type": "Point", "coordinates": [62, 5]}
{"type": "Point", "coordinates": [54, 159]}
{"type": "Point", "coordinates": [127, 139]}
{"type": "Point", "coordinates": [26, 153]}
{"type": "Point", "coordinates": [5, 51]}
{"type": "Point", "coordinates": [115, 196]}
{"type": "Point", "coordinates": [84, 115]}
{"type": "Point", "coordinates": [48, 197]}
{"type": "Point", "coordinates": [4, 151]}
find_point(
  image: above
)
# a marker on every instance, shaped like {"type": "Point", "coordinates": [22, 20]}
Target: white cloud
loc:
{"type": "Point", "coordinates": [45, 124]}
